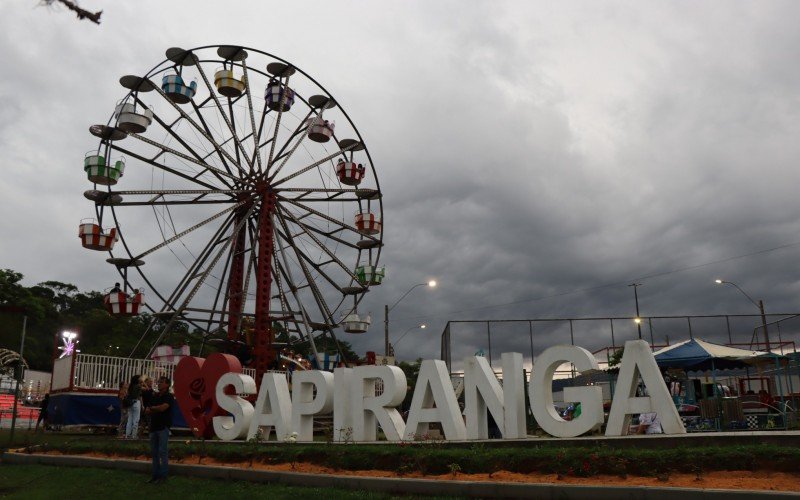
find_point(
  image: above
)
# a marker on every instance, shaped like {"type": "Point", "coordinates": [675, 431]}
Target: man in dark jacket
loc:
{"type": "Point", "coordinates": [160, 412]}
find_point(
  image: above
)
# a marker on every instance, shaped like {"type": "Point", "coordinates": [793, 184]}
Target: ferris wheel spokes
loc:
{"type": "Point", "coordinates": [200, 160]}
{"type": "Point", "coordinates": [322, 306]}
{"type": "Point", "coordinates": [307, 123]}
{"type": "Point", "coordinates": [302, 259]}
{"type": "Point", "coordinates": [306, 329]}
{"type": "Point", "coordinates": [202, 130]}
{"type": "Point", "coordinates": [251, 115]}
{"type": "Point", "coordinates": [217, 148]}
{"type": "Point", "coordinates": [322, 215]}
{"type": "Point", "coordinates": [165, 168]}
{"type": "Point", "coordinates": [202, 277]}
{"type": "Point", "coordinates": [168, 309]}
{"type": "Point", "coordinates": [192, 271]}
{"type": "Point", "coordinates": [189, 230]}
{"type": "Point", "coordinates": [301, 132]}
{"type": "Point", "coordinates": [306, 230]}
{"type": "Point", "coordinates": [304, 193]}
{"type": "Point", "coordinates": [167, 149]}
{"type": "Point", "coordinates": [212, 91]}
{"type": "Point", "coordinates": [312, 166]}
{"type": "Point", "coordinates": [283, 96]}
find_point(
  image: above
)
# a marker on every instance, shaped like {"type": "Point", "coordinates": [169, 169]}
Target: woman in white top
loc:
{"type": "Point", "coordinates": [649, 424]}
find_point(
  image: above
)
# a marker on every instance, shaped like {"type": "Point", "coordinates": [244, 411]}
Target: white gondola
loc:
{"type": "Point", "coordinates": [368, 223]}
{"type": "Point", "coordinates": [353, 323]}
{"type": "Point", "coordinates": [320, 130]}
{"type": "Point", "coordinates": [350, 173]}
{"type": "Point", "coordinates": [98, 172]}
{"type": "Point", "coordinates": [133, 118]}
{"type": "Point", "coordinates": [272, 95]}
{"type": "Point", "coordinates": [95, 237]}
{"type": "Point", "coordinates": [177, 90]}
{"type": "Point", "coordinates": [227, 83]}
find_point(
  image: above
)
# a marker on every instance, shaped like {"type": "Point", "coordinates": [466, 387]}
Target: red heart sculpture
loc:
{"type": "Point", "coordinates": [195, 385]}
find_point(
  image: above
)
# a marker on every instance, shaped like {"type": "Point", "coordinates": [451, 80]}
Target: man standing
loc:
{"type": "Point", "coordinates": [43, 413]}
{"type": "Point", "coordinates": [160, 412]}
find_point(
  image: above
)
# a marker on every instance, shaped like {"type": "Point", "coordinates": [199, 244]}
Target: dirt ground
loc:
{"type": "Point", "coordinates": [746, 480]}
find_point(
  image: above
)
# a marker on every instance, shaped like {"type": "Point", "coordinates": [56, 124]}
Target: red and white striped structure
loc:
{"type": "Point", "coordinates": [121, 304]}
{"type": "Point", "coordinates": [93, 237]}
{"type": "Point", "coordinates": [170, 355]}
{"type": "Point", "coordinates": [368, 223]}
{"type": "Point", "coordinates": [350, 172]}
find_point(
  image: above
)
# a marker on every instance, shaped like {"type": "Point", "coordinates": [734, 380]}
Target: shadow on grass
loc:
{"type": "Point", "coordinates": [46, 482]}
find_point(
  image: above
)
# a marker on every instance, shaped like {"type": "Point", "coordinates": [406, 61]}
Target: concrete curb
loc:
{"type": "Point", "coordinates": [480, 489]}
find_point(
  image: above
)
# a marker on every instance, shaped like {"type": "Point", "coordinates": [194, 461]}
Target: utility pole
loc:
{"type": "Point", "coordinates": [386, 330]}
{"type": "Point", "coordinates": [764, 322]}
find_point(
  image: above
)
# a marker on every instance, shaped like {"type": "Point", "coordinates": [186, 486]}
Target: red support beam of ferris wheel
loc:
{"type": "Point", "coordinates": [263, 350]}
{"type": "Point", "coordinates": [235, 281]}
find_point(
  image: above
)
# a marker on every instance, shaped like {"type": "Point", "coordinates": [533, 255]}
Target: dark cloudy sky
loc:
{"type": "Point", "coordinates": [535, 157]}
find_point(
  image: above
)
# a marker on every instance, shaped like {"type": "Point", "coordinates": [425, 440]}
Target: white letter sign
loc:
{"type": "Point", "coordinates": [541, 389]}
{"type": "Point", "coordinates": [368, 409]}
{"type": "Point", "coordinates": [435, 401]}
{"type": "Point", "coordinates": [236, 425]}
{"type": "Point", "coordinates": [638, 360]}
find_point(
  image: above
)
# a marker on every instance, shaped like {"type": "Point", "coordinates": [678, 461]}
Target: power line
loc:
{"type": "Point", "coordinates": [609, 285]}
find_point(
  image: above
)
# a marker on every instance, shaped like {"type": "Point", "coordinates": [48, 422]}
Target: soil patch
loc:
{"type": "Point", "coordinates": [739, 480]}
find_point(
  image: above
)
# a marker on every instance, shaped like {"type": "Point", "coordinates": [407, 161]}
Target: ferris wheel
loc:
{"type": "Point", "coordinates": [236, 193]}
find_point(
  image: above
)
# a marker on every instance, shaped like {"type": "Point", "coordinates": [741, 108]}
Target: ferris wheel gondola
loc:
{"type": "Point", "coordinates": [237, 160]}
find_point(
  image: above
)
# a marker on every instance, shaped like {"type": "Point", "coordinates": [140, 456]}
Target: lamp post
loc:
{"type": "Point", "coordinates": [70, 344]}
{"type": "Point", "coordinates": [386, 309]}
{"type": "Point", "coordinates": [759, 305]}
{"type": "Point", "coordinates": [422, 327]}
{"type": "Point", "coordinates": [637, 320]}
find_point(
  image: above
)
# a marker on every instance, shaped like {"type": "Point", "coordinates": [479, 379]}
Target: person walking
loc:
{"type": "Point", "coordinates": [122, 395]}
{"type": "Point", "coordinates": [134, 400]}
{"type": "Point", "coordinates": [160, 412]}
{"type": "Point", "coordinates": [43, 413]}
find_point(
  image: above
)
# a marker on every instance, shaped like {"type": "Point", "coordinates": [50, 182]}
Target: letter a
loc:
{"type": "Point", "coordinates": [638, 361]}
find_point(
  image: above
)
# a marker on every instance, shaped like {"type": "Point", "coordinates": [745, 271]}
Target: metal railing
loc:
{"type": "Point", "coordinates": [98, 372]}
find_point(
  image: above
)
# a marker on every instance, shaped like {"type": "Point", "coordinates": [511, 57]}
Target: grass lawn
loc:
{"type": "Point", "coordinates": [24, 437]}
{"type": "Point", "coordinates": [42, 481]}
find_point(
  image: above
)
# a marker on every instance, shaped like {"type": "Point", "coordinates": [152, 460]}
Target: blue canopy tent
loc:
{"type": "Point", "coordinates": [699, 355]}
{"type": "Point", "coordinates": [695, 354]}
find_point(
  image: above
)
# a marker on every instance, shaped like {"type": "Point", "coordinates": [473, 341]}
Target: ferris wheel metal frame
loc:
{"type": "Point", "coordinates": [274, 227]}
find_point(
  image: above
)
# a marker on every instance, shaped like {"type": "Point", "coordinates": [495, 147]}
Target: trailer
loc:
{"type": "Point", "coordinates": [84, 389]}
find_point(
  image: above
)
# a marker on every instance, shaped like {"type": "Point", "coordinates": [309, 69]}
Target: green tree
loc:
{"type": "Point", "coordinates": [411, 370]}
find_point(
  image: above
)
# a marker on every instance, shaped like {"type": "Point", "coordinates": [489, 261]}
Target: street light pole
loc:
{"type": "Point", "coordinates": [386, 309]}
{"type": "Point", "coordinates": [759, 305]}
{"type": "Point", "coordinates": [638, 320]}
{"type": "Point", "coordinates": [422, 326]}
